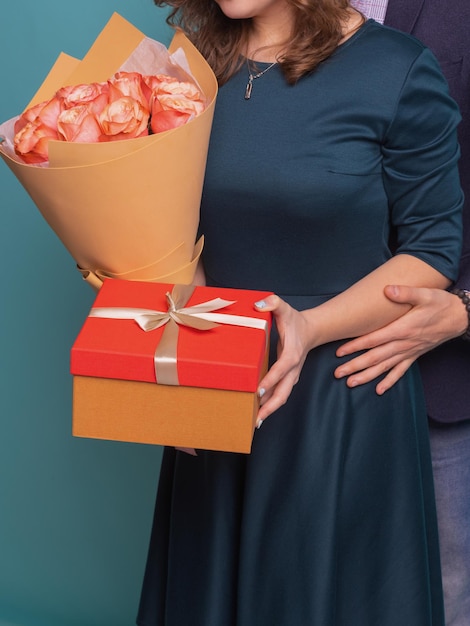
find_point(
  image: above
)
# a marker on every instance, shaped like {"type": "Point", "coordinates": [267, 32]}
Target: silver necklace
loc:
{"type": "Point", "coordinates": [252, 77]}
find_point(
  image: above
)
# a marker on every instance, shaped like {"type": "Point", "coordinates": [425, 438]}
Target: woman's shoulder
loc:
{"type": "Point", "coordinates": [387, 52]}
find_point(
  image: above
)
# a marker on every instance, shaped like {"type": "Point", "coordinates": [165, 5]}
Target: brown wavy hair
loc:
{"type": "Point", "coordinates": [317, 31]}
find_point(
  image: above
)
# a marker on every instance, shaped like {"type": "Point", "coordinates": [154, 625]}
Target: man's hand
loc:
{"type": "Point", "coordinates": [435, 316]}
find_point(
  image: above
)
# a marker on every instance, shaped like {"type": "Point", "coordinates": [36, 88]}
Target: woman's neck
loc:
{"type": "Point", "coordinates": [269, 34]}
{"type": "Point", "coordinates": [352, 25]}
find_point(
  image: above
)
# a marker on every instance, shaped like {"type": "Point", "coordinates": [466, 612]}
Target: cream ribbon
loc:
{"type": "Point", "coordinates": [200, 316]}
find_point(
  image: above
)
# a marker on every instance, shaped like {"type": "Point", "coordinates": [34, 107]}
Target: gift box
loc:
{"type": "Point", "coordinates": [171, 365]}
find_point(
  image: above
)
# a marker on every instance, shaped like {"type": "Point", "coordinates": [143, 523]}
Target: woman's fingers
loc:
{"type": "Point", "coordinates": [276, 386]}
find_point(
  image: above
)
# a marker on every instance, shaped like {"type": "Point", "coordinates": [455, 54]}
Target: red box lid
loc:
{"type": "Point", "coordinates": [225, 357]}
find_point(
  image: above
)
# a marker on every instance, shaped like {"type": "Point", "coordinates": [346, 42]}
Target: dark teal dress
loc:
{"type": "Point", "coordinates": [330, 521]}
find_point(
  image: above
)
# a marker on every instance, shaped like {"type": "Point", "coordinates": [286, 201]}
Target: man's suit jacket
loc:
{"type": "Point", "coordinates": [444, 26]}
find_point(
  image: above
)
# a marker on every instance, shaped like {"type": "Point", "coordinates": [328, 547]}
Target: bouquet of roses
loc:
{"type": "Point", "coordinates": [126, 106]}
{"type": "Point", "coordinates": [112, 150]}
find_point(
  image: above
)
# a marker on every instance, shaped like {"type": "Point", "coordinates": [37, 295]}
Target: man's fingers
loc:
{"type": "Point", "coordinates": [366, 360]}
{"type": "Point", "coordinates": [365, 375]}
{"type": "Point", "coordinates": [393, 376]}
{"type": "Point", "coordinates": [403, 294]}
{"type": "Point", "coordinates": [366, 342]}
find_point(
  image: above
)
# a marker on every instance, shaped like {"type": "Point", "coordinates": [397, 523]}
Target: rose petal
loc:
{"type": "Point", "coordinates": [166, 120]}
{"type": "Point", "coordinates": [31, 143]}
{"type": "Point", "coordinates": [79, 124]}
{"type": "Point", "coordinates": [124, 117]}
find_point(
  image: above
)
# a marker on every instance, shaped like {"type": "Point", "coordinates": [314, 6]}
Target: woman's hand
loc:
{"type": "Point", "coordinates": [359, 311]}
{"type": "Point", "coordinates": [199, 279]}
{"type": "Point", "coordinates": [293, 346]}
{"type": "Point", "coordinates": [435, 317]}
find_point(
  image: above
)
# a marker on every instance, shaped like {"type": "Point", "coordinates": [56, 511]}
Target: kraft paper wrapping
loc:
{"type": "Point", "coordinates": [124, 209]}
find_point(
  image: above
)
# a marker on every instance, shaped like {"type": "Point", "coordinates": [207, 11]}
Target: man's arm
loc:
{"type": "Point", "coordinates": [436, 316]}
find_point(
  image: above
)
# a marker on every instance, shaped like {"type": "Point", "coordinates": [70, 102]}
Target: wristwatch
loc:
{"type": "Point", "coordinates": [464, 295]}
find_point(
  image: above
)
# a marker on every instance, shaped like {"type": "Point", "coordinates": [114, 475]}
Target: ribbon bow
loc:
{"type": "Point", "coordinates": [200, 316]}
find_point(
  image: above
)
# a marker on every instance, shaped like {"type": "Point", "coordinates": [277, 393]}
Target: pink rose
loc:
{"type": "Point", "coordinates": [124, 118]}
{"type": "Point", "coordinates": [28, 116]}
{"type": "Point", "coordinates": [173, 102]}
{"type": "Point", "coordinates": [129, 84]}
{"type": "Point", "coordinates": [94, 94]}
{"type": "Point", "coordinates": [45, 112]}
{"type": "Point", "coordinates": [32, 141]}
{"type": "Point", "coordinates": [170, 111]}
{"type": "Point", "coordinates": [126, 106]}
{"type": "Point", "coordinates": [79, 124]}
{"type": "Point", "coordinates": [35, 128]}
{"type": "Point", "coordinates": [168, 84]}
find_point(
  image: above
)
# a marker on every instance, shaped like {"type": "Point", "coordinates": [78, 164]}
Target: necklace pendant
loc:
{"type": "Point", "coordinates": [249, 87]}
{"type": "Point", "coordinates": [252, 77]}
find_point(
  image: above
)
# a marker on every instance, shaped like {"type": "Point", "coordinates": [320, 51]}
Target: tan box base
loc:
{"type": "Point", "coordinates": [141, 412]}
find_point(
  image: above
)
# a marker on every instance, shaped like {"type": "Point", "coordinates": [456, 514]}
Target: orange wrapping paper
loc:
{"type": "Point", "coordinates": [126, 209]}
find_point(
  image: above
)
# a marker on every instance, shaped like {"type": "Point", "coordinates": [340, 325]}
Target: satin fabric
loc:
{"type": "Point", "coordinates": [330, 521]}
{"type": "Point", "coordinates": [444, 28]}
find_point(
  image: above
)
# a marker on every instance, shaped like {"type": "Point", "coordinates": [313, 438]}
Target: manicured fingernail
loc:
{"type": "Point", "coordinates": [261, 392]}
{"type": "Point", "coordinates": [260, 304]}
{"type": "Point", "coordinates": [259, 423]}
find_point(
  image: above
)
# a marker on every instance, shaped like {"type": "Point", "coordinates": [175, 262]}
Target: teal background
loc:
{"type": "Point", "coordinates": [75, 514]}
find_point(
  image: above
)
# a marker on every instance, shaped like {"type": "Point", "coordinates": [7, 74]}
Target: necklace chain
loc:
{"type": "Point", "coordinates": [252, 77]}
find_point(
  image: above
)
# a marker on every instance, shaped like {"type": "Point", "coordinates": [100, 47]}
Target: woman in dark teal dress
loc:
{"type": "Point", "coordinates": [347, 135]}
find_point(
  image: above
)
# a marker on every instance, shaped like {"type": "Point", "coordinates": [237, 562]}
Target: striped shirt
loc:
{"type": "Point", "coordinates": [374, 9]}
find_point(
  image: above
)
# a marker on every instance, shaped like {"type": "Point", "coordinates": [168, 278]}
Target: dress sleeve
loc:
{"type": "Point", "coordinates": [420, 157]}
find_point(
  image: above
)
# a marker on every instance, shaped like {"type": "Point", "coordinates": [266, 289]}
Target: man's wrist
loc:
{"type": "Point", "coordinates": [464, 296]}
